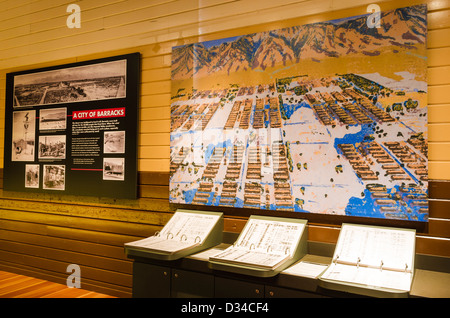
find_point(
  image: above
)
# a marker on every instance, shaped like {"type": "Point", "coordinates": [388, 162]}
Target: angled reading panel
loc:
{"type": "Point", "coordinates": [265, 247]}
{"type": "Point", "coordinates": [372, 260]}
{"type": "Point", "coordinates": [186, 233]}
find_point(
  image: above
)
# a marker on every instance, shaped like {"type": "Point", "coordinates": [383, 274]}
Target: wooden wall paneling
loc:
{"type": "Point", "coordinates": [439, 190]}
{"type": "Point", "coordinates": [108, 282]}
{"type": "Point", "coordinates": [439, 208]}
{"type": "Point", "coordinates": [118, 227]}
{"type": "Point", "coordinates": [162, 74]}
{"type": "Point", "coordinates": [69, 257]}
{"type": "Point", "coordinates": [156, 139]}
{"type": "Point", "coordinates": [234, 224]}
{"type": "Point", "coordinates": [154, 191]}
{"type": "Point", "coordinates": [319, 5]}
{"type": "Point", "coordinates": [117, 220]}
{"type": "Point", "coordinates": [438, 151]}
{"type": "Point", "coordinates": [158, 206]}
{"type": "Point", "coordinates": [155, 100]}
{"type": "Point", "coordinates": [22, 9]}
{"type": "Point", "coordinates": [57, 266]}
{"type": "Point", "coordinates": [439, 113]}
{"type": "Point", "coordinates": [154, 126]}
{"type": "Point", "coordinates": [128, 32]}
{"type": "Point", "coordinates": [439, 227]}
{"type": "Point", "coordinates": [437, 94]}
{"type": "Point", "coordinates": [13, 231]}
{"type": "Point", "coordinates": [438, 75]}
{"type": "Point", "coordinates": [155, 113]}
{"type": "Point", "coordinates": [108, 33]}
{"type": "Point", "coordinates": [439, 132]}
{"type": "Point", "coordinates": [438, 56]}
{"type": "Point", "coordinates": [438, 19]}
{"type": "Point", "coordinates": [320, 233]}
{"type": "Point", "coordinates": [70, 239]}
{"type": "Point", "coordinates": [438, 38]}
{"type": "Point", "coordinates": [86, 283]}
{"type": "Point", "coordinates": [439, 170]}
{"type": "Point", "coordinates": [105, 239]}
{"type": "Point", "coordinates": [94, 229]}
{"type": "Point", "coordinates": [158, 165]}
{"type": "Point", "coordinates": [433, 246]}
{"type": "Point", "coordinates": [97, 253]}
{"type": "Point", "coordinates": [154, 152]}
{"type": "Point", "coordinates": [84, 209]}
{"type": "Point", "coordinates": [64, 236]}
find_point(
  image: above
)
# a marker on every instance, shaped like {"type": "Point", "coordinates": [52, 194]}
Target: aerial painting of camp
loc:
{"type": "Point", "coordinates": [328, 118]}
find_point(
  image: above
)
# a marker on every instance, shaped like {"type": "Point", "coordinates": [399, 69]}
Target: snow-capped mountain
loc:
{"type": "Point", "coordinates": [400, 29]}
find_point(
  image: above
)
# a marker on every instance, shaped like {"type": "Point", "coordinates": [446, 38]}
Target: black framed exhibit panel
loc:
{"type": "Point", "coordinates": [72, 129]}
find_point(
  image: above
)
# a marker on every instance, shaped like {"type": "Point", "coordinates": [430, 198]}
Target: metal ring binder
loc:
{"type": "Point", "coordinates": [185, 237]}
{"type": "Point", "coordinates": [199, 239]}
{"type": "Point", "coordinates": [363, 249]}
{"type": "Point", "coordinates": [336, 259]}
{"type": "Point", "coordinates": [169, 236]}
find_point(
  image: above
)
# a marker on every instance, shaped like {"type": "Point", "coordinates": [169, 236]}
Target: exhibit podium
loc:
{"type": "Point", "coordinates": [374, 261]}
{"type": "Point", "coordinates": [265, 247]}
{"type": "Point", "coordinates": [194, 275]}
{"type": "Point", "coordinates": [187, 232]}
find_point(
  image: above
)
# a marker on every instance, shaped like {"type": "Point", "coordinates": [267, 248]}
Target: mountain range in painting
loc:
{"type": "Point", "coordinates": [399, 29]}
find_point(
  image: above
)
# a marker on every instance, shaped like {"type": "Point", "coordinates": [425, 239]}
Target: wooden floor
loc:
{"type": "Point", "coordinates": [19, 286]}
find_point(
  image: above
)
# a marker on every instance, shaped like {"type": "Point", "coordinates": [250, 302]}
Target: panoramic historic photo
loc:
{"type": "Point", "coordinates": [329, 117]}
{"type": "Point", "coordinates": [68, 85]}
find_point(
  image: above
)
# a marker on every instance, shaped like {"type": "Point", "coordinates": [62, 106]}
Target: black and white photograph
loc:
{"type": "Point", "coordinates": [53, 118]}
{"type": "Point", "coordinates": [114, 169]}
{"type": "Point", "coordinates": [23, 136]}
{"type": "Point", "coordinates": [70, 85]}
{"type": "Point", "coordinates": [54, 177]}
{"type": "Point", "coordinates": [52, 147]}
{"type": "Point", "coordinates": [31, 176]}
{"type": "Point", "coordinates": [114, 142]}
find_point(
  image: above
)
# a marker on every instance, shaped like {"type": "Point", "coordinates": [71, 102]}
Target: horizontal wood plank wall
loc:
{"type": "Point", "coordinates": [40, 235]}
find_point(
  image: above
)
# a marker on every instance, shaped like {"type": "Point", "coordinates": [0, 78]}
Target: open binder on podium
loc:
{"type": "Point", "coordinates": [187, 232]}
{"type": "Point", "coordinates": [265, 247]}
{"type": "Point", "coordinates": [373, 261]}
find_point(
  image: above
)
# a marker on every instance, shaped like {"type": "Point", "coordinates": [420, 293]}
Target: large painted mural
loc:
{"type": "Point", "coordinates": [328, 118]}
